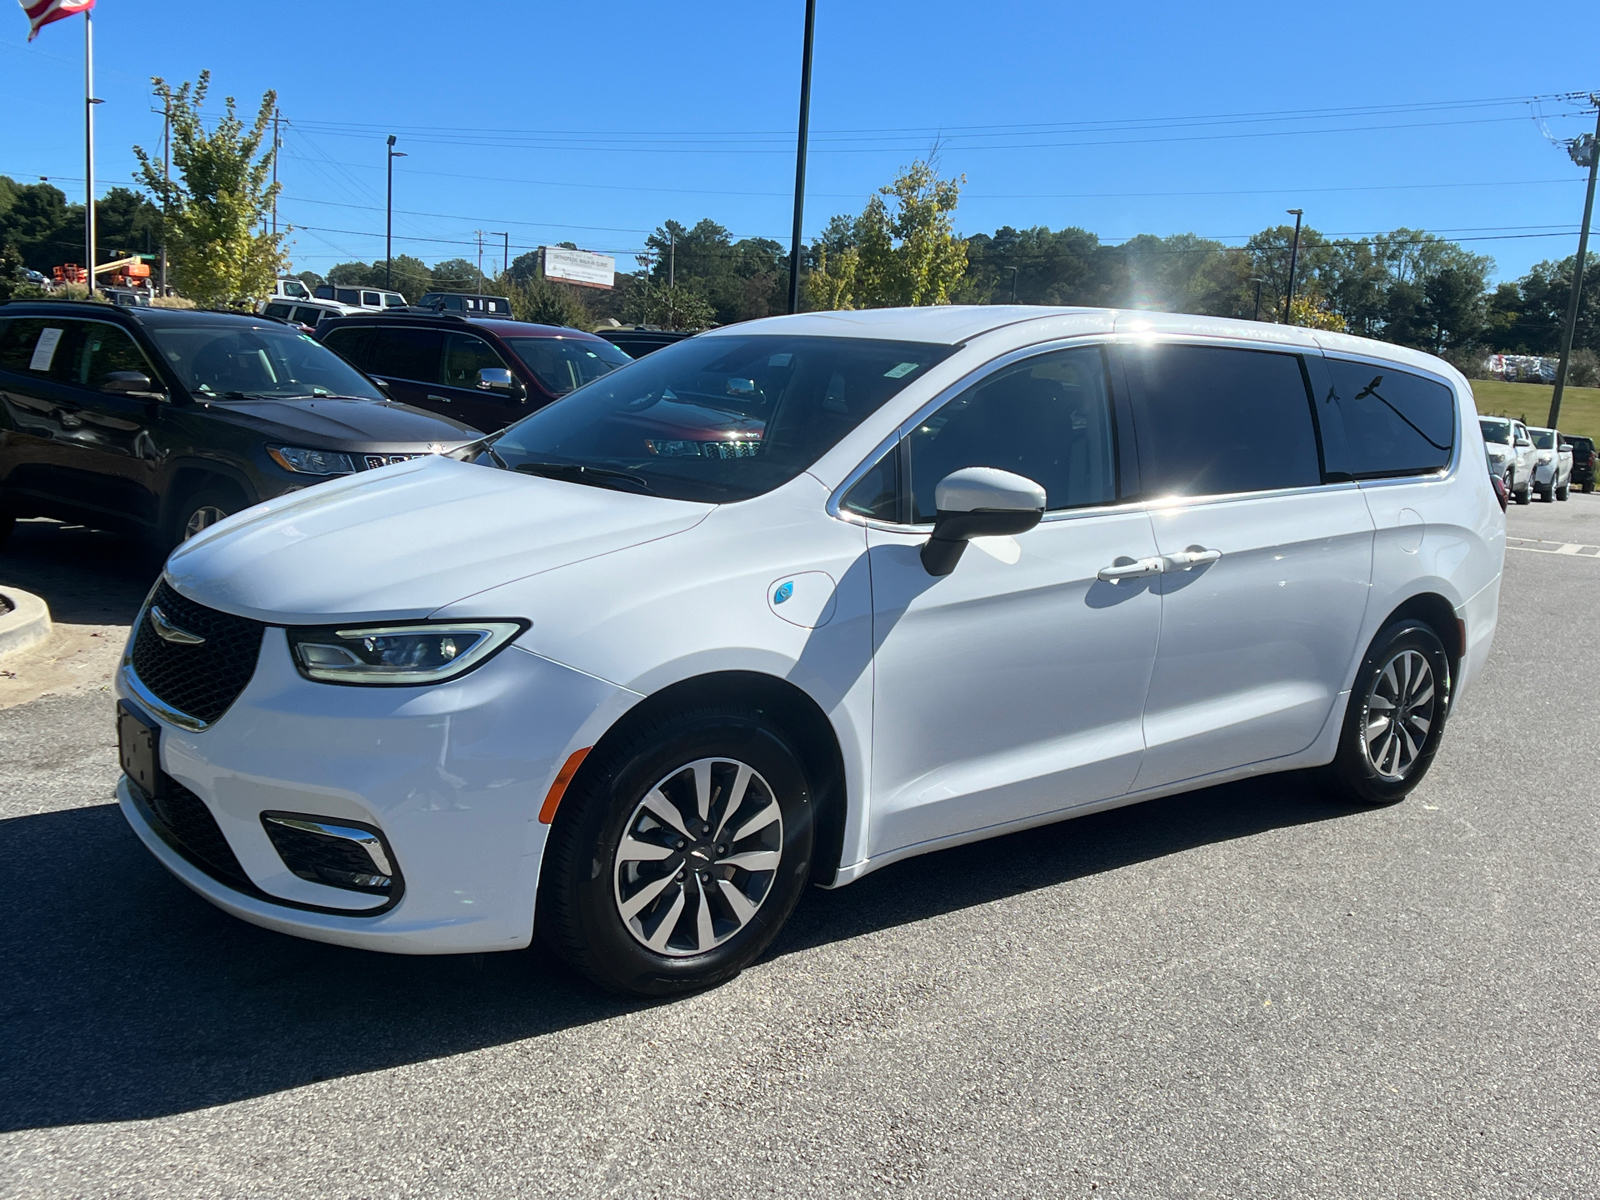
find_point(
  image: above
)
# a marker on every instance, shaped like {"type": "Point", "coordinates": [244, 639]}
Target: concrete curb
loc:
{"type": "Point", "coordinates": [27, 624]}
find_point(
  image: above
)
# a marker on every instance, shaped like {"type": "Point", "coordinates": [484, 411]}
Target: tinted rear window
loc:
{"type": "Point", "coordinates": [1394, 422]}
{"type": "Point", "coordinates": [1215, 420]}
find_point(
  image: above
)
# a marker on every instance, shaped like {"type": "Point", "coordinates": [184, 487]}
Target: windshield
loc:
{"type": "Point", "coordinates": [237, 361]}
{"type": "Point", "coordinates": [1543, 439]}
{"type": "Point", "coordinates": [564, 364]}
{"type": "Point", "coordinates": [1496, 431]}
{"type": "Point", "coordinates": [718, 418]}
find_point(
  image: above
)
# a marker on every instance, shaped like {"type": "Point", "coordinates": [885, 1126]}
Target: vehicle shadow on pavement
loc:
{"type": "Point", "coordinates": [124, 997]}
{"type": "Point", "coordinates": [85, 576]}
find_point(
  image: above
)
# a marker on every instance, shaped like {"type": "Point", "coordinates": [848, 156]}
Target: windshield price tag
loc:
{"type": "Point", "coordinates": [901, 371]}
{"type": "Point", "coordinates": [44, 350]}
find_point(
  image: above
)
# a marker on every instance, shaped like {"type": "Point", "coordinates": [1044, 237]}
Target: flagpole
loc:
{"type": "Point", "coordinates": [88, 143]}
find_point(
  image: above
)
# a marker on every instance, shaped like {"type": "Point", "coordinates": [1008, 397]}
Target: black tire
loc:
{"type": "Point", "coordinates": [585, 874]}
{"type": "Point", "coordinates": [1353, 772]}
{"type": "Point", "coordinates": [1588, 488]}
{"type": "Point", "coordinates": [1564, 491]}
{"type": "Point", "coordinates": [201, 505]}
{"type": "Point", "coordinates": [1524, 494]}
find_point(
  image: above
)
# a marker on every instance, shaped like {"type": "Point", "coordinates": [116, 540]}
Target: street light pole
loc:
{"type": "Point", "coordinates": [1589, 147]}
{"type": "Point", "coordinates": [1294, 254]}
{"type": "Point", "coordinates": [388, 217]}
{"type": "Point", "coordinates": [800, 157]}
{"type": "Point", "coordinates": [88, 145]}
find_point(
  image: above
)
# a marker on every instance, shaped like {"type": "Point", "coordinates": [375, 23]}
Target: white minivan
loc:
{"type": "Point", "coordinates": [798, 598]}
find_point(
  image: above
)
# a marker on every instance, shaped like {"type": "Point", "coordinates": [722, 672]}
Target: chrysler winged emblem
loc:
{"type": "Point", "coordinates": [166, 630]}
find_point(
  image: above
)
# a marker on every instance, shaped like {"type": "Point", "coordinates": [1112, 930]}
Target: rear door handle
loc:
{"type": "Point", "coordinates": [1132, 569]}
{"type": "Point", "coordinates": [440, 399]}
{"type": "Point", "coordinates": [1194, 556]}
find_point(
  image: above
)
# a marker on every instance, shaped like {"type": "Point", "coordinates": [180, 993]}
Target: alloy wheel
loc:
{"type": "Point", "coordinates": [1399, 713]}
{"type": "Point", "coordinates": [201, 518]}
{"type": "Point", "coordinates": [698, 857]}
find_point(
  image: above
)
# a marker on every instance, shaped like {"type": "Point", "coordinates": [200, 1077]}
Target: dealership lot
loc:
{"type": "Point", "coordinates": [1245, 991]}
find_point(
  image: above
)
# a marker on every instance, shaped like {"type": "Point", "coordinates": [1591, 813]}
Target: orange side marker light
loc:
{"type": "Point", "coordinates": [559, 787]}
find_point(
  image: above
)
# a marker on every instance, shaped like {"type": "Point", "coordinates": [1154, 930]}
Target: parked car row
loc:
{"type": "Point", "coordinates": [1528, 459]}
{"type": "Point", "coordinates": [784, 603]}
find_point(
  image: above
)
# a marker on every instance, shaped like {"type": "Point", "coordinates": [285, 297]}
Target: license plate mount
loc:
{"type": "Point", "coordinates": [139, 748]}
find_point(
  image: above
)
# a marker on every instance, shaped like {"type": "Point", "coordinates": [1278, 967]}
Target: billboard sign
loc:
{"type": "Point", "coordinates": [579, 266]}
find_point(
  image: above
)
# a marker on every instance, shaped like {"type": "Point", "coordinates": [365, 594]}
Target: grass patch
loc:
{"type": "Point", "coordinates": [1580, 407]}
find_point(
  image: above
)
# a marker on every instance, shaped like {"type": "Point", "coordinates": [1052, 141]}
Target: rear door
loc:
{"type": "Point", "coordinates": [1267, 567]}
{"type": "Point", "coordinates": [41, 410]}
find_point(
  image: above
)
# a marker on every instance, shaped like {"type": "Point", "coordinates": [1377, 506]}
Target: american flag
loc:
{"type": "Point", "coordinates": [42, 12]}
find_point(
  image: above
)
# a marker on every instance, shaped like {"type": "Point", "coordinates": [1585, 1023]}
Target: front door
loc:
{"type": "Point", "coordinates": [465, 354]}
{"type": "Point", "coordinates": [1267, 568]}
{"type": "Point", "coordinates": [1013, 687]}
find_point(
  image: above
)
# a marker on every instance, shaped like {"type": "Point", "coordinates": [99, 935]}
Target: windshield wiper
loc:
{"type": "Point", "coordinates": [578, 473]}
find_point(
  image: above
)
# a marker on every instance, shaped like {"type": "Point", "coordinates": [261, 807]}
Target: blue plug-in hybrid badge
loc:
{"type": "Point", "coordinates": [785, 590]}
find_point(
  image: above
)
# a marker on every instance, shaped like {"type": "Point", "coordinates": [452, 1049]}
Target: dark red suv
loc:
{"type": "Point", "coordinates": [484, 372]}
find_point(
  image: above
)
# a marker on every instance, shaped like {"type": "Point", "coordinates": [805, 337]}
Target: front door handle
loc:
{"type": "Point", "coordinates": [1131, 569]}
{"type": "Point", "coordinates": [1194, 556]}
{"type": "Point", "coordinates": [440, 399]}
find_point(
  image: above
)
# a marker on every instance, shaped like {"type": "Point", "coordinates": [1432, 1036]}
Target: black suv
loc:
{"type": "Point", "coordinates": [161, 421]}
{"type": "Point", "coordinates": [1584, 460]}
{"type": "Point", "coordinates": [485, 372]}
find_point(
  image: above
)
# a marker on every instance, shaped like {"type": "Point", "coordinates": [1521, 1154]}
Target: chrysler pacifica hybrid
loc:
{"type": "Point", "coordinates": [962, 571]}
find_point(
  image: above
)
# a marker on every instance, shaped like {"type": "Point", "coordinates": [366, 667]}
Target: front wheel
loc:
{"type": "Point", "coordinates": [1395, 717]}
{"type": "Point", "coordinates": [675, 859]}
{"type": "Point", "coordinates": [199, 511]}
{"type": "Point", "coordinates": [1524, 494]}
{"type": "Point", "coordinates": [1564, 490]}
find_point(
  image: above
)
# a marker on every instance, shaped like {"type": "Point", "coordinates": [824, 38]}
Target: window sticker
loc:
{"type": "Point", "coordinates": [44, 350]}
{"type": "Point", "coordinates": [901, 371]}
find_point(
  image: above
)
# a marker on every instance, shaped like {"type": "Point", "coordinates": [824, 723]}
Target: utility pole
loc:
{"type": "Point", "coordinates": [1294, 254]}
{"type": "Point", "coordinates": [1256, 316]}
{"type": "Point", "coordinates": [1014, 271]}
{"type": "Point", "coordinates": [505, 268]}
{"type": "Point", "coordinates": [479, 232]}
{"type": "Point", "coordinates": [672, 259]}
{"type": "Point", "coordinates": [276, 115]}
{"type": "Point", "coordinates": [800, 157]}
{"type": "Point", "coordinates": [1585, 152]}
{"type": "Point", "coordinates": [166, 178]}
{"type": "Point", "coordinates": [388, 217]}
{"type": "Point", "coordinates": [88, 145]}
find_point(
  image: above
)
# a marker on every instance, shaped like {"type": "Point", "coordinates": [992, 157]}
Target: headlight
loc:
{"type": "Point", "coordinates": [398, 654]}
{"type": "Point", "coordinates": [312, 462]}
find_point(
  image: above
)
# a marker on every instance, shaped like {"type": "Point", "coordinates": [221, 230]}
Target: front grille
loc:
{"type": "Point", "coordinates": [193, 827]}
{"type": "Point", "coordinates": [202, 680]}
{"type": "Point", "coordinates": [742, 449]}
{"type": "Point", "coordinates": [374, 461]}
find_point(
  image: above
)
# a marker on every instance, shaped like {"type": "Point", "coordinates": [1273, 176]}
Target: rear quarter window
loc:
{"type": "Point", "coordinates": [29, 347]}
{"type": "Point", "coordinates": [1394, 422]}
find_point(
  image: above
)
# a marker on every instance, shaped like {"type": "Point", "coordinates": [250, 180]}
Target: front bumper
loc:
{"type": "Point", "coordinates": [453, 775]}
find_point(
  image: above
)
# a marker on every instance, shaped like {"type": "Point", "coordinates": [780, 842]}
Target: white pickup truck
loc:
{"type": "Point", "coordinates": [1512, 455]}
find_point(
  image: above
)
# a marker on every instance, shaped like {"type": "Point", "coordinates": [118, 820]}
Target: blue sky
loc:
{"type": "Point", "coordinates": [593, 123]}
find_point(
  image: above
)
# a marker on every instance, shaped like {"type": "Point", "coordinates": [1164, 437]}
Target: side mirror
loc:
{"type": "Point", "coordinates": [978, 502]}
{"type": "Point", "coordinates": [132, 383]}
{"type": "Point", "coordinates": [499, 379]}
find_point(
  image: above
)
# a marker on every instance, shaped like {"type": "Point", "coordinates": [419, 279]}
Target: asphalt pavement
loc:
{"type": "Point", "coordinates": [1251, 991]}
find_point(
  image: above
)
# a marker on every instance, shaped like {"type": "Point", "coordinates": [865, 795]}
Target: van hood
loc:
{"type": "Point", "coordinates": [403, 541]}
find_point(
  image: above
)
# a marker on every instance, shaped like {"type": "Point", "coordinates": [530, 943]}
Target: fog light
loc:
{"type": "Point", "coordinates": [341, 854]}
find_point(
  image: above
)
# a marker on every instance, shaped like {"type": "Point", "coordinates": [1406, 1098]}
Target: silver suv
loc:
{"type": "Point", "coordinates": [1512, 455]}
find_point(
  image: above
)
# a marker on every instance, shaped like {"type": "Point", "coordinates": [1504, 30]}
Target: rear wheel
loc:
{"type": "Point", "coordinates": [1588, 488]}
{"type": "Point", "coordinates": [1395, 717]}
{"type": "Point", "coordinates": [674, 860]}
{"type": "Point", "coordinates": [1524, 494]}
{"type": "Point", "coordinates": [1564, 490]}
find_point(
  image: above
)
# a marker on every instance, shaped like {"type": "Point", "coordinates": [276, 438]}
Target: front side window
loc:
{"type": "Point", "coordinates": [279, 310]}
{"type": "Point", "coordinates": [238, 361]}
{"type": "Point", "coordinates": [1047, 419]}
{"type": "Point", "coordinates": [393, 300]}
{"type": "Point", "coordinates": [309, 316]}
{"type": "Point", "coordinates": [562, 365]}
{"type": "Point", "coordinates": [102, 350]}
{"type": "Point", "coordinates": [1394, 423]}
{"type": "Point", "coordinates": [1214, 420]}
{"type": "Point", "coordinates": [464, 357]}
{"type": "Point", "coordinates": [1522, 436]}
{"type": "Point", "coordinates": [370, 299]}
{"type": "Point", "coordinates": [716, 419]}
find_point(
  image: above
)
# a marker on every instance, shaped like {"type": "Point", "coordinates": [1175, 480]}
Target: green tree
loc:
{"type": "Point", "coordinates": [902, 249]}
{"type": "Point", "coordinates": [458, 275]}
{"type": "Point", "coordinates": [407, 275]}
{"type": "Point", "coordinates": [218, 201]}
{"type": "Point", "coordinates": [539, 300]}
{"type": "Point", "coordinates": [46, 230]}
